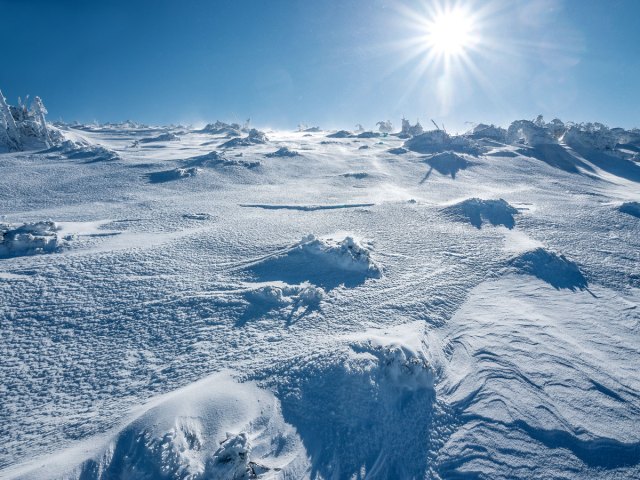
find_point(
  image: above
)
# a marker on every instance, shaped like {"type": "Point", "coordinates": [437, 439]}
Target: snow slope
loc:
{"type": "Point", "coordinates": [174, 304]}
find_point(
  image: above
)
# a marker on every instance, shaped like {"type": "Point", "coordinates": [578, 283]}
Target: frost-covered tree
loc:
{"type": "Point", "coordinates": [38, 111]}
{"type": "Point", "coordinates": [385, 126]}
{"type": "Point", "coordinates": [12, 133]}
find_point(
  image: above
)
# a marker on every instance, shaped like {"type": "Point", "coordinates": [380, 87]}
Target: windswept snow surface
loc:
{"type": "Point", "coordinates": [194, 308]}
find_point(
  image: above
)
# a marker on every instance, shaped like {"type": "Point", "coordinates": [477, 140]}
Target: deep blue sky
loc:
{"type": "Point", "coordinates": [331, 63]}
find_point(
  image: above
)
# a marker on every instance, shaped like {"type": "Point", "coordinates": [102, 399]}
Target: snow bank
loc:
{"type": "Point", "coordinates": [439, 141]}
{"type": "Point", "coordinates": [29, 239]}
{"type": "Point", "coordinates": [553, 268]}
{"type": "Point", "coordinates": [283, 152]}
{"type": "Point", "coordinates": [476, 210]}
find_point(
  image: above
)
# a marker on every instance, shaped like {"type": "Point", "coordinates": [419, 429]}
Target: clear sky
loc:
{"type": "Point", "coordinates": [327, 63]}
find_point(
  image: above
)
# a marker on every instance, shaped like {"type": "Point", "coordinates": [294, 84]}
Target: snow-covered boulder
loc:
{"type": "Point", "coordinates": [346, 254]}
{"type": "Point", "coordinates": [551, 267]}
{"type": "Point", "coordinates": [163, 137]}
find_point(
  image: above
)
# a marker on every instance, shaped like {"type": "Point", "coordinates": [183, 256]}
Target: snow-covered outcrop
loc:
{"type": "Point", "coordinates": [592, 136]}
{"type": "Point", "coordinates": [254, 137]}
{"type": "Point", "coordinates": [529, 133]}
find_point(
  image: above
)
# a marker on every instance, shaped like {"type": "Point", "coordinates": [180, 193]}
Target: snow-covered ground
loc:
{"type": "Point", "coordinates": [302, 304]}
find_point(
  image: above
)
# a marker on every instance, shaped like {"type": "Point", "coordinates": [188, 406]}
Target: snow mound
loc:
{"type": "Point", "coordinates": [253, 138]}
{"type": "Point", "coordinates": [29, 239]}
{"type": "Point", "coordinates": [476, 210]}
{"type": "Point", "coordinates": [278, 296]}
{"type": "Point", "coordinates": [216, 159]}
{"type": "Point", "coordinates": [174, 174]}
{"type": "Point", "coordinates": [448, 163]}
{"type": "Point", "coordinates": [341, 134]}
{"type": "Point", "coordinates": [283, 152]}
{"type": "Point", "coordinates": [326, 263]}
{"type": "Point", "coordinates": [364, 411]}
{"type": "Point", "coordinates": [398, 151]}
{"type": "Point", "coordinates": [368, 135]}
{"type": "Point", "coordinates": [439, 141]}
{"type": "Point", "coordinates": [82, 150]}
{"type": "Point", "coordinates": [164, 137]}
{"type": "Point", "coordinates": [215, 428]}
{"type": "Point", "coordinates": [550, 267]}
{"type": "Point", "coordinates": [632, 208]}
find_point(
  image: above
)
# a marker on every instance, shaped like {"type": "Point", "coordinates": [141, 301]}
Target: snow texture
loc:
{"type": "Point", "coordinates": [468, 309]}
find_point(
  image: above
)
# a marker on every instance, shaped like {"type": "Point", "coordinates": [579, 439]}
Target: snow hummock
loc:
{"type": "Point", "coordinates": [213, 428]}
{"type": "Point", "coordinates": [448, 163]}
{"type": "Point", "coordinates": [476, 210]}
{"type": "Point", "coordinates": [551, 267]}
{"type": "Point", "coordinates": [283, 152]}
{"type": "Point", "coordinates": [29, 239]}
{"type": "Point", "coordinates": [323, 262]}
{"type": "Point", "coordinates": [163, 137]}
{"type": "Point", "coordinates": [435, 141]}
{"type": "Point", "coordinates": [254, 137]}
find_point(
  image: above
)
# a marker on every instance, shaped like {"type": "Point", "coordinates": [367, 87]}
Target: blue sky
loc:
{"type": "Point", "coordinates": [327, 63]}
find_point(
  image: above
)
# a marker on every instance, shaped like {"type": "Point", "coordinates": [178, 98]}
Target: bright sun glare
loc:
{"type": "Point", "coordinates": [450, 33]}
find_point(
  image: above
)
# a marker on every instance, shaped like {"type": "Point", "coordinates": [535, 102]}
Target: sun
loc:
{"type": "Point", "coordinates": [450, 33]}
